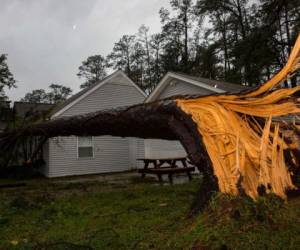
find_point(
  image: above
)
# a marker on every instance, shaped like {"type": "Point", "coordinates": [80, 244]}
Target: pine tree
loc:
{"type": "Point", "coordinates": [93, 69]}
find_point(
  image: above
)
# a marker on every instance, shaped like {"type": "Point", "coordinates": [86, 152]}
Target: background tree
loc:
{"type": "Point", "coordinates": [280, 24]}
{"type": "Point", "coordinates": [6, 77]}
{"type": "Point", "coordinates": [121, 56]}
{"type": "Point", "coordinates": [57, 93]}
{"type": "Point", "coordinates": [171, 43]}
{"type": "Point", "coordinates": [36, 96]}
{"type": "Point", "coordinates": [139, 65]}
{"type": "Point", "coordinates": [254, 38]}
{"type": "Point", "coordinates": [176, 29]}
{"type": "Point", "coordinates": [240, 41]}
{"type": "Point", "coordinates": [132, 55]}
{"type": "Point", "coordinates": [93, 69]}
{"type": "Point", "coordinates": [144, 40]}
{"type": "Point", "coordinates": [156, 46]}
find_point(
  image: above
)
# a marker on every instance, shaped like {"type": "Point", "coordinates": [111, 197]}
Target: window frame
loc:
{"type": "Point", "coordinates": [93, 148]}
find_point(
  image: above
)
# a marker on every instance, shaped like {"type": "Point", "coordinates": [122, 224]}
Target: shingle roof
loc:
{"type": "Point", "coordinates": [226, 86]}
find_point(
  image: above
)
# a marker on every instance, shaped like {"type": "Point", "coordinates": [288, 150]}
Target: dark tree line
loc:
{"type": "Point", "coordinates": [58, 93]}
{"type": "Point", "coordinates": [240, 41]}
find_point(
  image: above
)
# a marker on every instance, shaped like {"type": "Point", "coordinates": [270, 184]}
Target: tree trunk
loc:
{"type": "Point", "coordinates": [186, 49]}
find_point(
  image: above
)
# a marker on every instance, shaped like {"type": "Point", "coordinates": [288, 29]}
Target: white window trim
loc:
{"type": "Point", "coordinates": [88, 157]}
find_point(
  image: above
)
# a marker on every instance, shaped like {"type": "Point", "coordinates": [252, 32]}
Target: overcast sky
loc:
{"type": "Point", "coordinates": [46, 40]}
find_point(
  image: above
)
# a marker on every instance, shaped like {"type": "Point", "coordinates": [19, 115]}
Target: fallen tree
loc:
{"type": "Point", "coordinates": [236, 140]}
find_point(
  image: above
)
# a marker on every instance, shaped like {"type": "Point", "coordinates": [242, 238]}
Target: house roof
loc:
{"type": "Point", "coordinates": [226, 86]}
{"type": "Point", "coordinates": [85, 92]}
{"type": "Point", "coordinates": [25, 109]}
{"type": "Point", "coordinates": [209, 84]}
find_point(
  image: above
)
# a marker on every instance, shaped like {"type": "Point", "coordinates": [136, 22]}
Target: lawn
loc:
{"type": "Point", "coordinates": [141, 215]}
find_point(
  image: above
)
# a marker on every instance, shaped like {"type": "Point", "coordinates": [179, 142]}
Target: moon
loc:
{"type": "Point", "coordinates": [74, 27]}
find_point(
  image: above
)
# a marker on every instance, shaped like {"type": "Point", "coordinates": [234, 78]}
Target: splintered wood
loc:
{"type": "Point", "coordinates": [244, 153]}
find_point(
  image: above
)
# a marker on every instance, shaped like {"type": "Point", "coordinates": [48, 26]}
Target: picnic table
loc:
{"type": "Point", "coordinates": [159, 167]}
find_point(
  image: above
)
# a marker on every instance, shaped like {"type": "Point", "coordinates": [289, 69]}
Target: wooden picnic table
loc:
{"type": "Point", "coordinates": [172, 167]}
{"type": "Point", "coordinates": [158, 162]}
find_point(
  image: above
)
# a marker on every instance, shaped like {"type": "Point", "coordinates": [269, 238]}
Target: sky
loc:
{"type": "Point", "coordinates": [46, 40]}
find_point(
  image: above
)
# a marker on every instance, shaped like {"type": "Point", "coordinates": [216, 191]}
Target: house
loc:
{"type": "Point", "coordinates": [65, 156]}
{"type": "Point", "coordinates": [180, 84]}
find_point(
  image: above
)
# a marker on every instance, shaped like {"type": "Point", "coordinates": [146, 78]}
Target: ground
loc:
{"type": "Point", "coordinates": [125, 212]}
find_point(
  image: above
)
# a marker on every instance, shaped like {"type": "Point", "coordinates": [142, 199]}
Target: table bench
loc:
{"type": "Point", "coordinates": [172, 168]}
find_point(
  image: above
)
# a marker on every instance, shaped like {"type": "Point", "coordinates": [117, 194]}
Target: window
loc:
{"type": "Point", "coordinates": [85, 146]}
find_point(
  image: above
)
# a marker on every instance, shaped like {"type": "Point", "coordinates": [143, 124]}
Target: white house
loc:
{"type": "Point", "coordinates": [180, 84]}
{"type": "Point", "coordinates": [89, 155]}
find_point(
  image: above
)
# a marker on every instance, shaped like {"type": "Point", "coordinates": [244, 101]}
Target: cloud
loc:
{"type": "Point", "coordinates": [47, 40]}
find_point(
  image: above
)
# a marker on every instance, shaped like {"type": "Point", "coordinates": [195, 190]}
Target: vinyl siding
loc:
{"type": "Point", "coordinates": [136, 150]}
{"type": "Point", "coordinates": [164, 148]}
{"type": "Point", "coordinates": [111, 95]}
{"type": "Point", "coordinates": [176, 87]}
{"type": "Point", "coordinates": [111, 154]}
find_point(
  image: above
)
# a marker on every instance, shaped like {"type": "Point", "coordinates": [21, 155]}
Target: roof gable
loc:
{"type": "Point", "coordinates": [205, 83]}
{"type": "Point", "coordinates": [89, 90]}
{"type": "Point", "coordinates": [225, 86]}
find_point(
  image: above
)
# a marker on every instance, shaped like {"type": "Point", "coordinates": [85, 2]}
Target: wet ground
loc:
{"type": "Point", "coordinates": [108, 178]}
{"type": "Point", "coordinates": [124, 177]}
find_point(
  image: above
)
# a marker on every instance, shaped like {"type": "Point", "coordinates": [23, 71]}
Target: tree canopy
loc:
{"type": "Point", "coordinates": [92, 70]}
{"type": "Point", "coordinates": [57, 93]}
{"type": "Point", "coordinates": [6, 77]}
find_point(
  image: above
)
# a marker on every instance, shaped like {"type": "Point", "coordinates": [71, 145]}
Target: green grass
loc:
{"type": "Point", "coordinates": [138, 215]}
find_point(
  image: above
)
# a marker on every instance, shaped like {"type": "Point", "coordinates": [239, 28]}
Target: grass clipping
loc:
{"type": "Point", "coordinates": [245, 154]}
